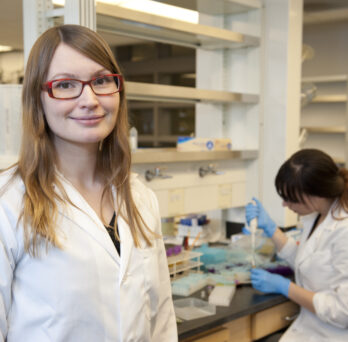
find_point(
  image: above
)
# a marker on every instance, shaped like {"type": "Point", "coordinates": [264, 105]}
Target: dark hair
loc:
{"type": "Point", "coordinates": [312, 172]}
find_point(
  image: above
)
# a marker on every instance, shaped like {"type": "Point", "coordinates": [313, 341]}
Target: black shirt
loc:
{"type": "Point", "coordinates": [110, 230]}
{"type": "Point", "coordinates": [314, 226]}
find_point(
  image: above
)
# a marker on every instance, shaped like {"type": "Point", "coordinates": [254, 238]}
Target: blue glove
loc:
{"type": "Point", "coordinates": [263, 219]}
{"type": "Point", "coordinates": [268, 282]}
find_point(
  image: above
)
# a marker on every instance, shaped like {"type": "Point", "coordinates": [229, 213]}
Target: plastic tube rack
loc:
{"type": "Point", "coordinates": [186, 260]}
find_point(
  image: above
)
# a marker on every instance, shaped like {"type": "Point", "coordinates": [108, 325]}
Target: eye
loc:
{"type": "Point", "coordinates": [103, 80]}
{"type": "Point", "coordinates": [64, 84]}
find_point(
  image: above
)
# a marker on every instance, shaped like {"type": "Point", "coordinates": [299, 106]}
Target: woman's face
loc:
{"type": "Point", "coordinates": [87, 119]}
{"type": "Point", "coordinates": [302, 208]}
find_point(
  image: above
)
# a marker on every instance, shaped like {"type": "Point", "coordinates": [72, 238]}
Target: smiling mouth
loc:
{"type": "Point", "coordinates": [89, 118]}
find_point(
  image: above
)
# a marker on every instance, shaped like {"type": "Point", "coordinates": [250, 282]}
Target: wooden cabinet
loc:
{"type": "Point", "coordinates": [271, 320]}
{"type": "Point", "coordinates": [252, 327]}
{"type": "Point", "coordinates": [239, 329]}
{"type": "Point", "coordinates": [216, 335]}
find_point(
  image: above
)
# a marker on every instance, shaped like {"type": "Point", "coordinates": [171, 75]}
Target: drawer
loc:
{"type": "Point", "coordinates": [218, 335]}
{"type": "Point", "coordinates": [239, 329]}
{"type": "Point", "coordinates": [268, 321]}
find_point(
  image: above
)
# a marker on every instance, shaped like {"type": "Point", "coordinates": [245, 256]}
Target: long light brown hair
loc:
{"type": "Point", "coordinates": [37, 158]}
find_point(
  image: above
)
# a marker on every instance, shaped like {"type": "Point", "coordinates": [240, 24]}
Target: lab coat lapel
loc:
{"type": "Point", "coordinates": [85, 218]}
{"type": "Point", "coordinates": [307, 222]}
{"type": "Point", "coordinates": [309, 245]}
{"type": "Point", "coordinates": [127, 242]}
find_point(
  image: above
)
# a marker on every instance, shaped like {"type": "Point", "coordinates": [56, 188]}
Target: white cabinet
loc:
{"type": "Point", "coordinates": [181, 190]}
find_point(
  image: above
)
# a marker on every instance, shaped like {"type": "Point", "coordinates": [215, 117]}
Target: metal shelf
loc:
{"type": "Point", "coordinates": [332, 129]}
{"type": "Point", "coordinates": [158, 92]}
{"type": "Point", "coordinates": [136, 24]}
{"type": "Point", "coordinates": [171, 155]}
{"type": "Point", "coordinates": [325, 79]}
{"type": "Point", "coordinates": [330, 99]}
{"type": "Point", "coordinates": [325, 16]}
{"type": "Point", "coordinates": [134, 105]}
{"type": "Point", "coordinates": [216, 7]}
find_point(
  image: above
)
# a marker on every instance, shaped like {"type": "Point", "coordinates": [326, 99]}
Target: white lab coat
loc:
{"type": "Point", "coordinates": [85, 291]}
{"type": "Point", "coordinates": [321, 265]}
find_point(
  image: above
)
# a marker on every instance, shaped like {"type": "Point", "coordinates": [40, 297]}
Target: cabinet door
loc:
{"type": "Point", "coordinates": [268, 321]}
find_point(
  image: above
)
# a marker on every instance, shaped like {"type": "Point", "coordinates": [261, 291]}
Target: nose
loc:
{"type": "Point", "coordinates": [87, 97]}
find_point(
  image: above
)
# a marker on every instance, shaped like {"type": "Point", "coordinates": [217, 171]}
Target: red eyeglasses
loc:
{"type": "Point", "coordinates": [69, 88]}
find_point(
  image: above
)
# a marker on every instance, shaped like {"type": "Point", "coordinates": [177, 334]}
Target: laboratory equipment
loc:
{"type": "Point", "coordinates": [133, 139]}
{"type": "Point", "coordinates": [253, 228]}
{"type": "Point", "coordinates": [157, 172]}
{"type": "Point", "coordinates": [192, 308]}
{"type": "Point", "coordinates": [189, 284]}
{"type": "Point", "coordinates": [175, 250]}
{"type": "Point", "coordinates": [222, 295]}
{"type": "Point", "coordinates": [212, 255]}
{"type": "Point", "coordinates": [193, 225]}
{"type": "Point", "coordinates": [184, 261]}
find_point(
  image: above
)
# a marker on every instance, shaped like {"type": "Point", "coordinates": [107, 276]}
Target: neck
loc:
{"type": "Point", "coordinates": [323, 206]}
{"type": "Point", "coordinates": [77, 162]}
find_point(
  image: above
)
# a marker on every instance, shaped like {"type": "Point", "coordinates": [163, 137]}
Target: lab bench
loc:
{"type": "Point", "coordinates": [250, 316]}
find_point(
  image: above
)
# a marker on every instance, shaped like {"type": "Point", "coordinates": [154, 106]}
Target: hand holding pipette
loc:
{"type": "Point", "coordinates": [263, 219]}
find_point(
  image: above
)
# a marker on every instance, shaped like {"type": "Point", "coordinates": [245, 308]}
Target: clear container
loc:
{"type": "Point", "coordinates": [192, 308]}
{"type": "Point", "coordinates": [133, 139]}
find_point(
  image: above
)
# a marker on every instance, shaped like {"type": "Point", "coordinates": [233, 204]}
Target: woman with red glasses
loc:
{"type": "Point", "coordinates": [311, 185]}
{"type": "Point", "coordinates": [81, 254]}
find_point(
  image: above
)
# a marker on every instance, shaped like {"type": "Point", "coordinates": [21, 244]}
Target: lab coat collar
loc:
{"type": "Point", "coordinates": [86, 218]}
{"type": "Point", "coordinates": [309, 245]}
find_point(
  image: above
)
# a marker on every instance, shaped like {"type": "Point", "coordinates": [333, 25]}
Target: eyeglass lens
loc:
{"type": "Point", "coordinates": [103, 85]}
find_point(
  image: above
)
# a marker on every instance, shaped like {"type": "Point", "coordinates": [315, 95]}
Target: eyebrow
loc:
{"type": "Point", "coordinates": [69, 75]}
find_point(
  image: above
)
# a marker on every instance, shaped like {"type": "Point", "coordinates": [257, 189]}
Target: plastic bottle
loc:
{"type": "Point", "coordinates": [133, 139]}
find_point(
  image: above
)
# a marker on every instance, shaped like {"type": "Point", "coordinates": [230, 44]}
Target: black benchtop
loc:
{"type": "Point", "coordinates": [246, 301]}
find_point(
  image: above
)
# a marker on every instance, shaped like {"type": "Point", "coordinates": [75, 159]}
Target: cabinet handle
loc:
{"type": "Point", "coordinates": [290, 318]}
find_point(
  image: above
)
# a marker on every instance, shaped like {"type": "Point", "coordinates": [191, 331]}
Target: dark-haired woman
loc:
{"type": "Point", "coordinates": [312, 186]}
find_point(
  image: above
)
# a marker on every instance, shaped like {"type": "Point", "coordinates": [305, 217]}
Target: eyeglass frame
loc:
{"type": "Point", "coordinates": [47, 86]}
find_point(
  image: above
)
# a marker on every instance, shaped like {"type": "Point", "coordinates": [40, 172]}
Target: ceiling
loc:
{"type": "Point", "coordinates": [11, 18]}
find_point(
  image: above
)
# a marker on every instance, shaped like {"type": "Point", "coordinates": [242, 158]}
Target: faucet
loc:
{"type": "Point", "coordinates": [155, 173]}
{"type": "Point", "coordinates": [209, 169]}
